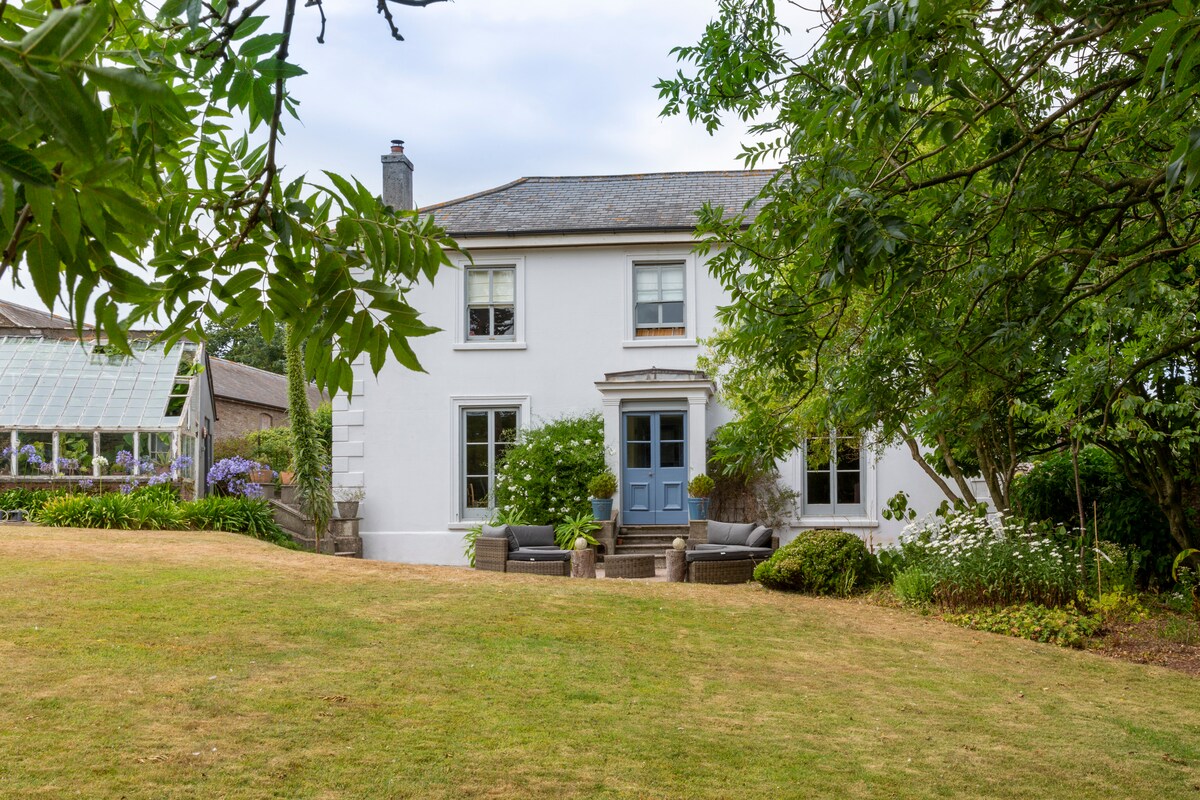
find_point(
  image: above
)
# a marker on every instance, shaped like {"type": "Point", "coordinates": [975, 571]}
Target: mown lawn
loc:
{"type": "Point", "coordinates": [173, 665]}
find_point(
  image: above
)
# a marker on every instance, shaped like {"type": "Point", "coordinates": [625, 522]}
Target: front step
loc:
{"type": "Point", "coordinates": [649, 540]}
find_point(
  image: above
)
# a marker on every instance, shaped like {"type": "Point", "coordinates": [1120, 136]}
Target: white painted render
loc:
{"type": "Point", "coordinates": [398, 437]}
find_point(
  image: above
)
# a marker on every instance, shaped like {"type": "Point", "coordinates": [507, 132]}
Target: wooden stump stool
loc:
{"type": "Point", "coordinates": [676, 566]}
{"type": "Point", "coordinates": [583, 563]}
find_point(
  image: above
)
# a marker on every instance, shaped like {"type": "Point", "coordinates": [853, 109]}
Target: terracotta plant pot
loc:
{"type": "Point", "coordinates": [287, 477]}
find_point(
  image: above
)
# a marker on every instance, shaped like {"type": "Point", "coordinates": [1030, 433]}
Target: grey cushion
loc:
{"type": "Point", "coordinates": [754, 551]}
{"type": "Point", "coordinates": [500, 531]}
{"type": "Point", "coordinates": [728, 532]}
{"type": "Point", "coordinates": [541, 547]}
{"type": "Point", "coordinates": [533, 535]}
{"type": "Point", "coordinates": [760, 537]}
{"type": "Point", "coordinates": [716, 555]}
{"type": "Point", "coordinates": [711, 546]}
{"type": "Point", "coordinates": [538, 554]}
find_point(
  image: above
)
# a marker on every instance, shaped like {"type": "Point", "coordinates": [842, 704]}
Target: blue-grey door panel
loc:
{"type": "Point", "coordinates": [654, 474]}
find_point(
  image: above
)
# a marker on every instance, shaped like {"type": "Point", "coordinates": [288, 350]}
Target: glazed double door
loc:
{"type": "Point", "coordinates": [654, 467]}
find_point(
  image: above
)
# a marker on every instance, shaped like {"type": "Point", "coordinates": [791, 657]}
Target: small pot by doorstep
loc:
{"type": "Point", "coordinates": [347, 509]}
{"type": "Point", "coordinates": [602, 508]}
{"type": "Point", "coordinates": [697, 508]}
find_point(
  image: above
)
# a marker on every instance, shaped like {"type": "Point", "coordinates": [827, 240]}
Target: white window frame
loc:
{"type": "Point", "coordinates": [517, 340]}
{"type": "Point", "coordinates": [458, 404]}
{"type": "Point", "coordinates": [688, 261]}
{"type": "Point", "coordinates": [858, 515]}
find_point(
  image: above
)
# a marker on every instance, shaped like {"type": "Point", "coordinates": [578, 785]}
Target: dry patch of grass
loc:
{"type": "Point", "coordinates": [173, 665]}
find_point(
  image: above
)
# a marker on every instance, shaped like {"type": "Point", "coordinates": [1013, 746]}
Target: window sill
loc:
{"type": "Point", "coordinates": [489, 346]}
{"type": "Point", "coordinates": [656, 341]}
{"type": "Point", "coordinates": [815, 521]}
{"type": "Point", "coordinates": [464, 525]}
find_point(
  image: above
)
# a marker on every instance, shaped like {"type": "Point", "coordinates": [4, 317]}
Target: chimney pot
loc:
{"type": "Point", "coordinates": [397, 145]}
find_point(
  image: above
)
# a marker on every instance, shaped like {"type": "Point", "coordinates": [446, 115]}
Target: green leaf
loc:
{"type": "Point", "coordinates": [23, 166]}
{"type": "Point", "coordinates": [273, 69]}
{"type": "Point", "coordinates": [260, 45]}
{"type": "Point", "coordinates": [44, 268]}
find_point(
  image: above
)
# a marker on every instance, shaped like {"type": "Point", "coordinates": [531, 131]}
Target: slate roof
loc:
{"type": "Point", "coordinates": [245, 384]}
{"type": "Point", "coordinates": [663, 201]}
{"type": "Point", "coordinates": [16, 316]}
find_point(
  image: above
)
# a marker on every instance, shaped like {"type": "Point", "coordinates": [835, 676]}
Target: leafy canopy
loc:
{"type": "Point", "coordinates": [982, 241]}
{"type": "Point", "coordinates": [119, 147]}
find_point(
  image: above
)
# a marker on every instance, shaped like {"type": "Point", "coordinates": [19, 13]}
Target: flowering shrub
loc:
{"type": "Point", "coordinates": [977, 561]}
{"type": "Point", "coordinates": [231, 477]}
{"type": "Point", "coordinates": [545, 474]}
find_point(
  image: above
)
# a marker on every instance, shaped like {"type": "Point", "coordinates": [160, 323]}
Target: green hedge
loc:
{"type": "Point", "coordinates": [153, 511]}
{"type": "Point", "coordinates": [818, 562]}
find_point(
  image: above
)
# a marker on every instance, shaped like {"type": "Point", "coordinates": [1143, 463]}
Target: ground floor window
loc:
{"type": "Point", "coordinates": [487, 434]}
{"type": "Point", "coordinates": [833, 476]}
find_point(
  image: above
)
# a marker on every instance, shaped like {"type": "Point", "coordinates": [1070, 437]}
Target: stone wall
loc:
{"type": "Point", "coordinates": [235, 418]}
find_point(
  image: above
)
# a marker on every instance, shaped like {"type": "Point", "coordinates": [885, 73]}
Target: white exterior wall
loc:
{"type": "Point", "coordinates": [398, 436]}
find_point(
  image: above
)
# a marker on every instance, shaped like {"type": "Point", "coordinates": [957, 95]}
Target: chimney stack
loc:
{"type": "Point", "coordinates": [397, 178]}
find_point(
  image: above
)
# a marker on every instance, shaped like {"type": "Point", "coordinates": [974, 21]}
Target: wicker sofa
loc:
{"type": "Point", "coordinates": [731, 553]}
{"type": "Point", "coordinates": [528, 549]}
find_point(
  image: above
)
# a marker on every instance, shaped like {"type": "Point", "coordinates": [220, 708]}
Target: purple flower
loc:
{"type": "Point", "coordinates": [86, 483]}
{"type": "Point", "coordinates": [124, 459]}
{"type": "Point", "coordinates": [231, 476]}
{"type": "Point", "coordinates": [128, 487]}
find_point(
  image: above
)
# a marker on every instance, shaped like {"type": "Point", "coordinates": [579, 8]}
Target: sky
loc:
{"type": "Point", "coordinates": [487, 91]}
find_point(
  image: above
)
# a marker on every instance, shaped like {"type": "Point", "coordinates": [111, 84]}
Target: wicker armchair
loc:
{"type": "Point", "coordinates": [492, 553]}
{"type": "Point", "coordinates": [730, 552]}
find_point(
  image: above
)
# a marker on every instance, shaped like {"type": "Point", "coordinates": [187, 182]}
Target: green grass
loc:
{"type": "Point", "coordinates": [184, 665]}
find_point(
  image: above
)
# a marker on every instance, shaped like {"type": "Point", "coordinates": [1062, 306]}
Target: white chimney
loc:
{"type": "Point", "coordinates": [397, 178]}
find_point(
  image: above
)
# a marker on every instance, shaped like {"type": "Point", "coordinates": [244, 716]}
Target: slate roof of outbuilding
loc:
{"type": "Point", "coordinates": [239, 382]}
{"type": "Point", "coordinates": [663, 201]}
{"type": "Point", "coordinates": [17, 316]}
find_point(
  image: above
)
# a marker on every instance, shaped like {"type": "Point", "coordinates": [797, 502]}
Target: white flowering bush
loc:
{"type": "Point", "coordinates": [544, 475]}
{"type": "Point", "coordinates": [972, 561]}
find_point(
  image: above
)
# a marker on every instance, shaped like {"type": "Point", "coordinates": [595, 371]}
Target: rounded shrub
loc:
{"type": "Point", "coordinates": [818, 562]}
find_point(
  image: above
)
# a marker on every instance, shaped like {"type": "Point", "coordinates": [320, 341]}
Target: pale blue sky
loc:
{"type": "Point", "coordinates": [487, 91]}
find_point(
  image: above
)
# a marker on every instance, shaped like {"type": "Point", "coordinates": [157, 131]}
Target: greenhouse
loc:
{"type": "Point", "coordinates": [79, 412]}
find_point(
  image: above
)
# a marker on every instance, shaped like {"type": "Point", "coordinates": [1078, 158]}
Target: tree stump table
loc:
{"type": "Point", "coordinates": [583, 563]}
{"type": "Point", "coordinates": [676, 565]}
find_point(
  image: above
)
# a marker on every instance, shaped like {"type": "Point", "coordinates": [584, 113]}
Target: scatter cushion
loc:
{"type": "Point", "coordinates": [716, 555]}
{"type": "Point", "coordinates": [728, 532]}
{"type": "Point", "coordinates": [538, 554]}
{"type": "Point", "coordinates": [533, 535]}
{"type": "Point", "coordinates": [760, 537]}
{"type": "Point", "coordinates": [500, 532]}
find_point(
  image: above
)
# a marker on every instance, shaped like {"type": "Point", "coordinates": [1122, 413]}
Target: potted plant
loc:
{"type": "Point", "coordinates": [602, 488]}
{"type": "Point", "coordinates": [347, 501]}
{"type": "Point", "coordinates": [699, 489]}
{"type": "Point", "coordinates": [570, 530]}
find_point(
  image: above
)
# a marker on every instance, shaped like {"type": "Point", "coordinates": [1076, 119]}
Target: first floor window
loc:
{"type": "Point", "coordinates": [491, 303]}
{"type": "Point", "coordinates": [658, 300]}
{"type": "Point", "coordinates": [487, 433]}
{"type": "Point", "coordinates": [833, 476]}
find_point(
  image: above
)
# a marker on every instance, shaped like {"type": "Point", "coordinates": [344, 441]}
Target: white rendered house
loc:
{"type": "Point", "coordinates": [584, 294]}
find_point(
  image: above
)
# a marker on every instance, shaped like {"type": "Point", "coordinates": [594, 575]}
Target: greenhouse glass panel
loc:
{"type": "Point", "coordinates": [112, 446]}
{"type": "Point", "coordinates": [51, 383]}
{"type": "Point", "coordinates": [75, 453]}
{"type": "Point", "coordinates": [35, 453]}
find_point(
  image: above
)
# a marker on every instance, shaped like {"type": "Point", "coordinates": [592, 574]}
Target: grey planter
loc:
{"type": "Point", "coordinates": [347, 509]}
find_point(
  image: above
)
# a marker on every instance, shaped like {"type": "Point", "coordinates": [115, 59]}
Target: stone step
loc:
{"type": "Point", "coordinates": [658, 530]}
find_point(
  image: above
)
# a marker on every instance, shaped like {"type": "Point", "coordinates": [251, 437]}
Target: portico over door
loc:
{"type": "Point", "coordinates": [654, 467]}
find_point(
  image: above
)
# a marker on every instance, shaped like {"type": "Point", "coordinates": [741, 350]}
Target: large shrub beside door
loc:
{"type": "Point", "coordinates": [818, 562]}
{"type": "Point", "coordinates": [544, 476]}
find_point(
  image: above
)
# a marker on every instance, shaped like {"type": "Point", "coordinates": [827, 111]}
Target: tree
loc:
{"type": "Point", "coordinates": [117, 146]}
{"type": "Point", "coordinates": [984, 233]}
{"type": "Point", "coordinates": [308, 449]}
{"type": "Point", "coordinates": [248, 346]}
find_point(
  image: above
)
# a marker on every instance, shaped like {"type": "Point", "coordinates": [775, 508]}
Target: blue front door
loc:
{"type": "Point", "coordinates": [654, 477]}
